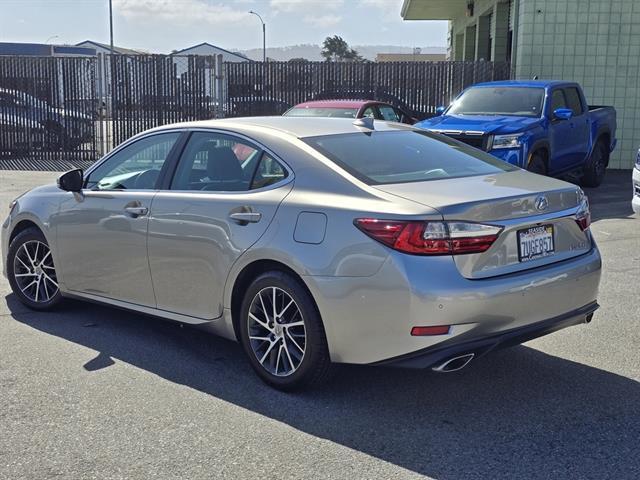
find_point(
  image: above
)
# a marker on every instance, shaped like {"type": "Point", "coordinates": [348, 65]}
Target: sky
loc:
{"type": "Point", "coordinates": [160, 26]}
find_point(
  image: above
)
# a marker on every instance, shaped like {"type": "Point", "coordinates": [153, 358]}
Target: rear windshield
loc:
{"type": "Point", "coordinates": [379, 158]}
{"type": "Point", "coordinates": [322, 112]}
{"type": "Point", "coordinates": [519, 101]}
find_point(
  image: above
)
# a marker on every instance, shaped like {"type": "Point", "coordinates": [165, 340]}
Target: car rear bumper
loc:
{"type": "Point", "coordinates": [368, 320]}
{"type": "Point", "coordinates": [434, 356]}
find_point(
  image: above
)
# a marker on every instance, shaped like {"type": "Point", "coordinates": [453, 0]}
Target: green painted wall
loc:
{"type": "Point", "coordinates": [593, 42]}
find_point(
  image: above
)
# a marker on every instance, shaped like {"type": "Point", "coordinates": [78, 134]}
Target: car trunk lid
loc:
{"type": "Point", "coordinates": [533, 211]}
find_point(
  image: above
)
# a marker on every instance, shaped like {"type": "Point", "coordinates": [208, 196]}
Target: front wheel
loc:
{"type": "Point", "coordinates": [31, 272]}
{"type": "Point", "coordinates": [282, 333]}
{"type": "Point", "coordinates": [537, 164]}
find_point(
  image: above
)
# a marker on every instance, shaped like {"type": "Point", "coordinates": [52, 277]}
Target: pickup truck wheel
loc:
{"type": "Point", "coordinates": [537, 164]}
{"type": "Point", "coordinates": [596, 165]}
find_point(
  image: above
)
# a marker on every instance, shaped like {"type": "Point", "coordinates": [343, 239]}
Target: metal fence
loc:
{"type": "Point", "coordinates": [47, 111]}
{"type": "Point", "coordinates": [419, 87]}
{"type": "Point", "coordinates": [59, 112]}
{"type": "Point", "coordinates": [152, 90]}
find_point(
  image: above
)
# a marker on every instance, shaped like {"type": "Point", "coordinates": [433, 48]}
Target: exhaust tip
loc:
{"type": "Point", "coordinates": [454, 364]}
{"type": "Point", "coordinates": [588, 318]}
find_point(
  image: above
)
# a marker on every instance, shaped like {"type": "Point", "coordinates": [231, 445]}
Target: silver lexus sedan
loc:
{"type": "Point", "coordinates": [313, 241]}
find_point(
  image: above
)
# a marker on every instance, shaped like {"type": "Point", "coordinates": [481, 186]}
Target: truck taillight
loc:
{"type": "Point", "coordinates": [430, 238]}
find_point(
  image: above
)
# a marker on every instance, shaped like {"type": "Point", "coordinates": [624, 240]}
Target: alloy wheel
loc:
{"type": "Point", "coordinates": [34, 272]}
{"type": "Point", "coordinates": [277, 333]}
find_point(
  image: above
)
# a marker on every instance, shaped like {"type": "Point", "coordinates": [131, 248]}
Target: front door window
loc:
{"type": "Point", "coordinates": [136, 166]}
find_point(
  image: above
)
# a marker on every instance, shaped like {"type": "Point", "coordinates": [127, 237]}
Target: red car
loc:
{"type": "Point", "coordinates": [350, 109]}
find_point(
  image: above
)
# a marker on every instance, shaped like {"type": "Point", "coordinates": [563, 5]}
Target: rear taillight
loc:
{"type": "Point", "coordinates": [430, 238]}
{"type": "Point", "coordinates": [583, 215]}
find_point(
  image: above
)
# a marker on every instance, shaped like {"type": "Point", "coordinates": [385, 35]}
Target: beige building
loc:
{"type": "Point", "coordinates": [593, 42]}
{"type": "Point", "coordinates": [411, 57]}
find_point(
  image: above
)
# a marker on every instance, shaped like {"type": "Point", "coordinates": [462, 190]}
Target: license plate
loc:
{"type": "Point", "coordinates": [535, 242]}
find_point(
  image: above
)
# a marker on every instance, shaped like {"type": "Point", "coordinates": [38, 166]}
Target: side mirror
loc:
{"type": "Point", "coordinates": [440, 110]}
{"type": "Point", "coordinates": [71, 181]}
{"type": "Point", "coordinates": [562, 114]}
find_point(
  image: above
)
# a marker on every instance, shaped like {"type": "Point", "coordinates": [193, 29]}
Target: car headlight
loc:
{"type": "Point", "coordinates": [506, 141]}
{"type": "Point", "coordinates": [638, 160]}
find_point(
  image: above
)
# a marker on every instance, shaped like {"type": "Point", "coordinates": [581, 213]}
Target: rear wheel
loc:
{"type": "Point", "coordinates": [537, 164]}
{"type": "Point", "coordinates": [31, 272]}
{"type": "Point", "coordinates": [596, 165]}
{"type": "Point", "coordinates": [282, 333]}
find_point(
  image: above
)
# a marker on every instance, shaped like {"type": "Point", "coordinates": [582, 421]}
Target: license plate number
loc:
{"type": "Point", "coordinates": [535, 242]}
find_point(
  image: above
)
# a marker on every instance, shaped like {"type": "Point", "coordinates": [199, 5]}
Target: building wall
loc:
{"type": "Point", "coordinates": [97, 48]}
{"type": "Point", "coordinates": [469, 36]}
{"type": "Point", "coordinates": [593, 42]}
{"type": "Point", "coordinates": [211, 50]}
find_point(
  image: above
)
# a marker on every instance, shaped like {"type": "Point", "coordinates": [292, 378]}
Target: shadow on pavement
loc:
{"type": "Point", "coordinates": [519, 413]}
{"type": "Point", "coordinates": [612, 199]}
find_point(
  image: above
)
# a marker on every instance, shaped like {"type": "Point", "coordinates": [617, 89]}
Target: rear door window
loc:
{"type": "Point", "coordinates": [573, 100]}
{"type": "Point", "coordinates": [216, 162]}
{"type": "Point", "coordinates": [269, 172]}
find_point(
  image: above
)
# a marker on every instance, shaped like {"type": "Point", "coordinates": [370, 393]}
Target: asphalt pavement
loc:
{"type": "Point", "coordinates": [95, 392]}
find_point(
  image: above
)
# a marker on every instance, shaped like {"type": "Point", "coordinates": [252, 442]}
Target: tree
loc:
{"type": "Point", "coordinates": [337, 49]}
{"type": "Point", "coordinates": [353, 56]}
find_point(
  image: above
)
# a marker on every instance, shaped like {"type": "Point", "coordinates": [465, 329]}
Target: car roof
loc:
{"type": "Point", "coordinates": [523, 83]}
{"type": "Point", "coordinates": [299, 127]}
{"type": "Point", "coordinates": [338, 103]}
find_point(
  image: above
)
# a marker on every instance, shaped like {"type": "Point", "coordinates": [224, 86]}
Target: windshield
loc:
{"type": "Point", "coordinates": [405, 156]}
{"type": "Point", "coordinates": [322, 112]}
{"type": "Point", "coordinates": [519, 101]}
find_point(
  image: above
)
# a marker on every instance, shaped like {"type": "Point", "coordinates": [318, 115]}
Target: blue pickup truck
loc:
{"type": "Point", "coordinates": [546, 127]}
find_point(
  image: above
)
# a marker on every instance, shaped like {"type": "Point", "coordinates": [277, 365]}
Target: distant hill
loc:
{"type": "Point", "coordinates": [312, 52]}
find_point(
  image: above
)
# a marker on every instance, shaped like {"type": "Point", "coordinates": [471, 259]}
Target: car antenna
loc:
{"type": "Point", "coordinates": [365, 122]}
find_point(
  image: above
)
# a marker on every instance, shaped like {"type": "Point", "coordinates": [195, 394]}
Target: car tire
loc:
{"type": "Point", "coordinates": [596, 166]}
{"type": "Point", "coordinates": [31, 272]}
{"type": "Point", "coordinates": [537, 164]}
{"type": "Point", "coordinates": [285, 357]}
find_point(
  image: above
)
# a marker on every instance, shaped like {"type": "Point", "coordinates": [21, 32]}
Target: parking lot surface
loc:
{"type": "Point", "coordinates": [94, 392]}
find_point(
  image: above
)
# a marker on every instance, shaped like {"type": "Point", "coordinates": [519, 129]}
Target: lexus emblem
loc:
{"type": "Point", "coordinates": [542, 203]}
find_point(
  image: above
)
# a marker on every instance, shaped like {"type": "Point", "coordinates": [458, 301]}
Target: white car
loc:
{"type": "Point", "coordinates": [635, 203]}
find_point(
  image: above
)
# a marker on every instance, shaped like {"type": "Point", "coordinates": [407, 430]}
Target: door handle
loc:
{"type": "Point", "coordinates": [136, 211]}
{"type": "Point", "coordinates": [245, 217]}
